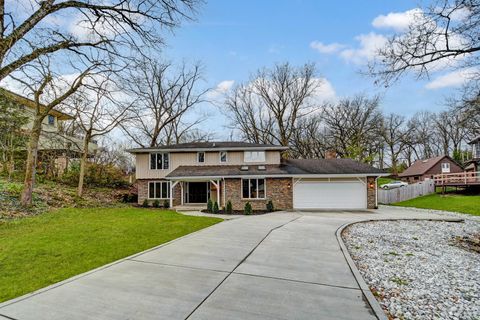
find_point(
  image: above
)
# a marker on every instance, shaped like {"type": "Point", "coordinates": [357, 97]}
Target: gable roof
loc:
{"type": "Point", "coordinates": [21, 100]}
{"type": "Point", "coordinates": [298, 167]}
{"type": "Point", "coordinates": [420, 167]}
{"type": "Point", "coordinates": [210, 146]}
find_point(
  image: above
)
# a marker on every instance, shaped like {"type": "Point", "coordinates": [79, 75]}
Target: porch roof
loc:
{"type": "Point", "coordinates": [289, 168]}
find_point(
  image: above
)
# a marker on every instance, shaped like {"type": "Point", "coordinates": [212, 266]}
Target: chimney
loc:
{"type": "Point", "coordinates": [330, 154]}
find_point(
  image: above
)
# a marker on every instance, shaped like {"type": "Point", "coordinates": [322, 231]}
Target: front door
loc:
{"type": "Point", "coordinates": [197, 192]}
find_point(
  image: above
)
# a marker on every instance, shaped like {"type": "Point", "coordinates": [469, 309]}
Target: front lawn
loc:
{"type": "Point", "coordinates": [42, 250]}
{"type": "Point", "coordinates": [449, 202]}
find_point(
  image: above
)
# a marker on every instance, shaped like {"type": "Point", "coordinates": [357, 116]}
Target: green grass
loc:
{"type": "Point", "coordinates": [42, 250]}
{"type": "Point", "coordinates": [469, 204]}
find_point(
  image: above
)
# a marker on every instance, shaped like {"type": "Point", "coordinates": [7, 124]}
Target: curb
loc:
{"type": "Point", "coordinates": [371, 300]}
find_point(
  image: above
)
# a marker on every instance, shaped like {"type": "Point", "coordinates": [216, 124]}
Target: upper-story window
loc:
{"type": "Point", "coordinates": [159, 161]}
{"type": "Point", "coordinates": [51, 120]}
{"type": "Point", "coordinates": [223, 156]}
{"type": "Point", "coordinates": [254, 156]}
{"type": "Point", "coordinates": [445, 167]}
{"type": "Point", "coordinates": [200, 157]}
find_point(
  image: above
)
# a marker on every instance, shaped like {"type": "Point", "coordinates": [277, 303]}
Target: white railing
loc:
{"type": "Point", "coordinates": [411, 191]}
{"type": "Point", "coordinates": [463, 178]}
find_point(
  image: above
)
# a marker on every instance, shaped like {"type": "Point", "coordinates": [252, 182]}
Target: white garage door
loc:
{"type": "Point", "coordinates": [330, 195]}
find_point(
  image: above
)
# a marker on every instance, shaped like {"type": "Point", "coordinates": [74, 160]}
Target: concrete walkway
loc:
{"type": "Point", "coordinates": [275, 266]}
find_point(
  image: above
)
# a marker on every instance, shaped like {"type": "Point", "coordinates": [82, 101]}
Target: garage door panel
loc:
{"type": "Point", "coordinates": [330, 195]}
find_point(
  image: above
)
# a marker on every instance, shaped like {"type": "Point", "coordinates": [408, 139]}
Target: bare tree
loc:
{"type": "Point", "coordinates": [27, 31]}
{"type": "Point", "coordinates": [353, 126]}
{"type": "Point", "coordinates": [49, 91]}
{"type": "Point", "coordinates": [443, 32]}
{"type": "Point", "coordinates": [268, 107]}
{"type": "Point", "coordinates": [97, 113]}
{"type": "Point", "coordinates": [394, 136]}
{"type": "Point", "coordinates": [309, 139]}
{"type": "Point", "coordinates": [162, 96]}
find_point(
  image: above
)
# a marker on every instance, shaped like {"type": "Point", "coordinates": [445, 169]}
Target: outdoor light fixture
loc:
{"type": "Point", "coordinates": [371, 185]}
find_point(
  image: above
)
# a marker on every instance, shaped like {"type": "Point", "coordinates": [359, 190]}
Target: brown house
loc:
{"type": "Point", "coordinates": [190, 174]}
{"type": "Point", "coordinates": [425, 169]}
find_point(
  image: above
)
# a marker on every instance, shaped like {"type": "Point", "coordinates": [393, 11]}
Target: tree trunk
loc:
{"type": "Point", "coordinates": [83, 163]}
{"type": "Point", "coordinates": [31, 164]}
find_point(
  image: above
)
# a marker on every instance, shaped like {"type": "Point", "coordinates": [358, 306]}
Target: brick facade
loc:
{"type": "Point", "coordinates": [371, 193]}
{"type": "Point", "coordinates": [142, 186]}
{"type": "Point", "coordinates": [279, 190]}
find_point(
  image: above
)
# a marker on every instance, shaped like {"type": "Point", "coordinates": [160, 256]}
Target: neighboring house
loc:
{"type": "Point", "coordinates": [52, 142]}
{"type": "Point", "coordinates": [425, 169]}
{"type": "Point", "coordinates": [192, 173]}
{"type": "Point", "coordinates": [473, 165]}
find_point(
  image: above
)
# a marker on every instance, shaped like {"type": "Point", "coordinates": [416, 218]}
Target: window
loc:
{"type": "Point", "coordinates": [254, 156]}
{"type": "Point", "coordinates": [51, 120]}
{"type": "Point", "coordinates": [223, 156]}
{"type": "Point", "coordinates": [159, 190]}
{"type": "Point", "coordinates": [159, 161]}
{"type": "Point", "coordinates": [253, 188]}
{"type": "Point", "coordinates": [200, 157]}
{"type": "Point", "coordinates": [445, 167]}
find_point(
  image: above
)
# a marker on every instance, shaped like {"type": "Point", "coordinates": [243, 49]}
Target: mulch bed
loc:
{"type": "Point", "coordinates": [239, 212]}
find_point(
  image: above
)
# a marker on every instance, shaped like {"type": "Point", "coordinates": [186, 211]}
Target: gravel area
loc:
{"type": "Point", "coordinates": [418, 269]}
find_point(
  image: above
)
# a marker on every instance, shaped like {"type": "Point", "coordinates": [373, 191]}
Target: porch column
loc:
{"type": "Point", "coordinates": [218, 192]}
{"type": "Point", "coordinates": [181, 188]}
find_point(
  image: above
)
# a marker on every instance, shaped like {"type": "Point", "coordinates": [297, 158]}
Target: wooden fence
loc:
{"type": "Point", "coordinates": [405, 193]}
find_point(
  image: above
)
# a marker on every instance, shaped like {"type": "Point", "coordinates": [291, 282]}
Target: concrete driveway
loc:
{"type": "Point", "coordinates": [275, 266]}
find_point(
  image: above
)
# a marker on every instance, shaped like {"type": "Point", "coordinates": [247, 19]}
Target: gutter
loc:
{"type": "Point", "coordinates": [339, 175]}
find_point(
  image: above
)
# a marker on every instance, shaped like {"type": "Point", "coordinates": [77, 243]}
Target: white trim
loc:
{"type": "Point", "coordinates": [168, 182]}
{"type": "Point", "coordinates": [220, 156]}
{"type": "Point", "coordinates": [198, 154]}
{"type": "Point", "coordinates": [163, 160]}
{"type": "Point", "coordinates": [148, 150]}
{"type": "Point", "coordinates": [264, 189]}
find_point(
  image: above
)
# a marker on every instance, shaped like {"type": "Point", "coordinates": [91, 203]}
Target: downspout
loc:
{"type": "Point", "coordinates": [376, 192]}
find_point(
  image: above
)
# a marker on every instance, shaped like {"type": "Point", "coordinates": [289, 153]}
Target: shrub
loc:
{"type": "Point", "coordinates": [156, 204]}
{"type": "Point", "coordinates": [209, 205]}
{"type": "Point", "coordinates": [270, 207]}
{"type": "Point", "coordinates": [248, 209]}
{"type": "Point", "coordinates": [145, 203]}
{"type": "Point", "coordinates": [215, 207]}
{"type": "Point", "coordinates": [96, 175]}
{"type": "Point", "coordinates": [229, 209]}
{"type": "Point", "coordinates": [166, 204]}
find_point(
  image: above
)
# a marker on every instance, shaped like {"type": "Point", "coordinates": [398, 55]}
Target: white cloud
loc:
{"type": "Point", "coordinates": [221, 88]}
{"type": "Point", "coordinates": [326, 48]}
{"type": "Point", "coordinates": [452, 79]}
{"type": "Point", "coordinates": [325, 92]}
{"type": "Point", "coordinates": [369, 45]}
{"type": "Point", "coordinates": [399, 21]}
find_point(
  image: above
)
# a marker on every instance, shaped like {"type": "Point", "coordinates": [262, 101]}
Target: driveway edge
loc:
{"type": "Point", "coordinates": [105, 266]}
{"type": "Point", "coordinates": [374, 305]}
{"type": "Point", "coordinates": [372, 301]}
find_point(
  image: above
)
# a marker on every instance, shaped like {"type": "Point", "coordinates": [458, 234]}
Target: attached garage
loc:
{"type": "Point", "coordinates": [330, 194]}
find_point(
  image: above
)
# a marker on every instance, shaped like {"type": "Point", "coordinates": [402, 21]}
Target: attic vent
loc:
{"type": "Point", "coordinates": [262, 168]}
{"type": "Point", "coordinates": [425, 161]}
{"type": "Point", "coordinates": [244, 168]}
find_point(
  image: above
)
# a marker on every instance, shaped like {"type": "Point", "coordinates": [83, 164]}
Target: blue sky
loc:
{"type": "Point", "coordinates": [235, 38]}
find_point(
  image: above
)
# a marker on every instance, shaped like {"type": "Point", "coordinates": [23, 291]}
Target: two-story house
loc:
{"type": "Point", "coordinates": [192, 173]}
{"type": "Point", "coordinates": [52, 141]}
